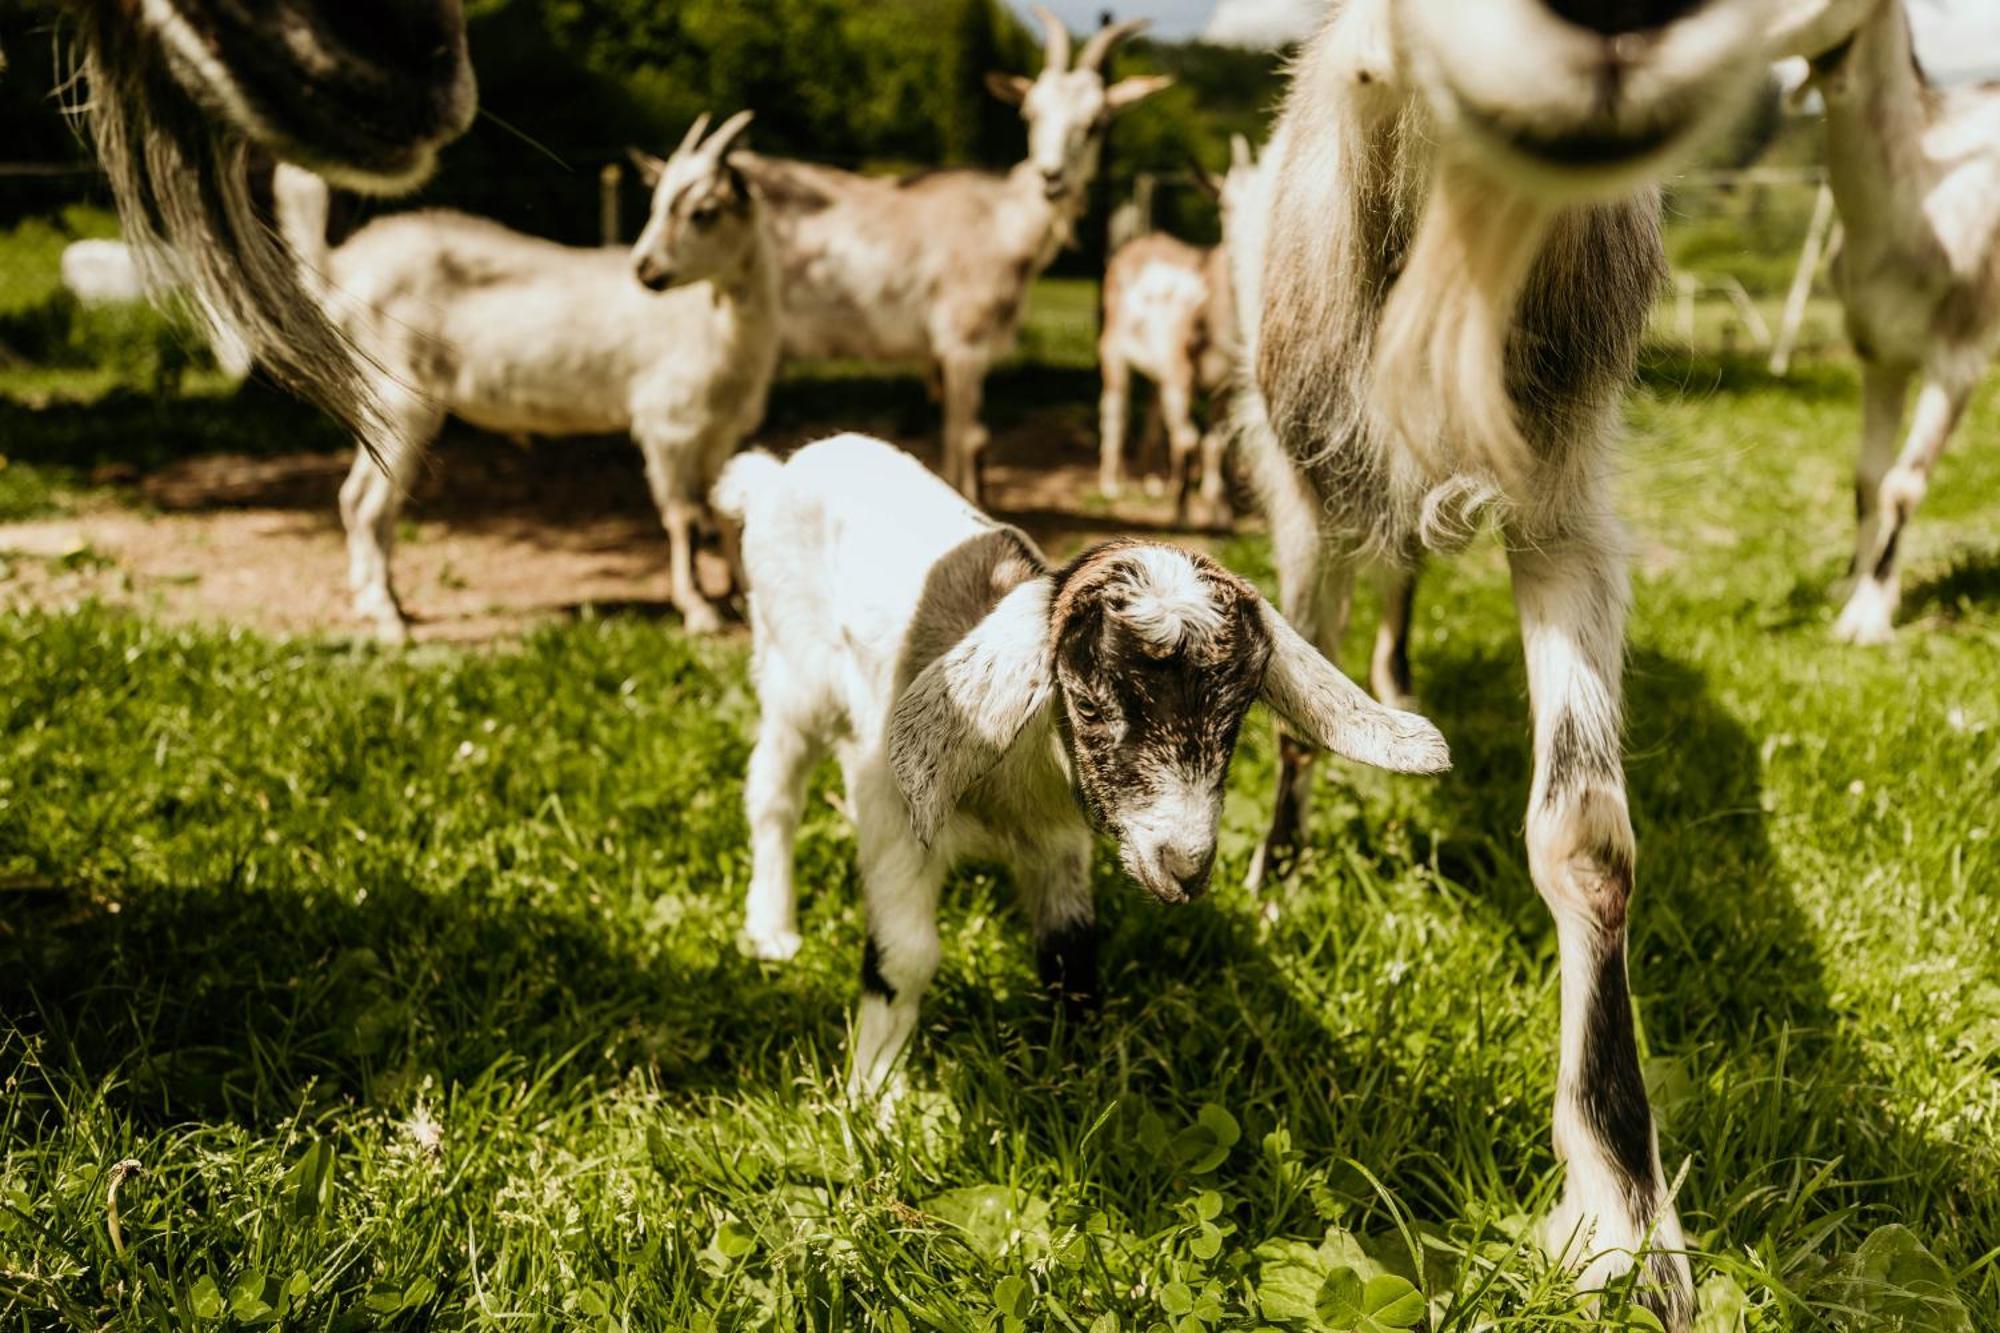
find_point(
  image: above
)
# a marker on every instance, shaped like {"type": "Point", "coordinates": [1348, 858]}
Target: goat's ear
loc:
{"type": "Point", "coordinates": [1132, 91]}
{"type": "Point", "coordinates": [650, 168]}
{"type": "Point", "coordinates": [1012, 89]}
{"type": "Point", "coordinates": [1240, 153]}
{"type": "Point", "coordinates": [1332, 712]}
{"type": "Point", "coordinates": [964, 711]}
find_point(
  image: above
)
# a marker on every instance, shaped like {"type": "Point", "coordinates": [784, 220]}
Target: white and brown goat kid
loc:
{"type": "Point", "coordinates": [1460, 255]}
{"type": "Point", "coordinates": [1916, 173]}
{"type": "Point", "coordinates": [935, 268]}
{"type": "Point", "coordinates": [675, 342]}
{"type": "Point", "coordinates": [1170, 315]}
{"type": "Point", "coordinates": [983, 704]}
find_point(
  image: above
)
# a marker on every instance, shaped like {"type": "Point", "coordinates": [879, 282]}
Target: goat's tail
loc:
{"type": "Point", "coordinates": [303, 204]}
{"type": "Point", "coordinates": [743, 479]}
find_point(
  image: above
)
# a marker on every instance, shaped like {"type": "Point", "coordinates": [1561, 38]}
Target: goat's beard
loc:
{"type": "Point", "coordinates": [182, 184]}
{"type": "Point", "coordinates": [1440, 354]}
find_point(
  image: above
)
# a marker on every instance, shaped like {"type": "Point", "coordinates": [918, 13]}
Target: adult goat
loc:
{"type": "Point", "coordinates": [1461, 251]}
{"type": "Point", "coordinates": [1916, 174]}
{"type": "Point", "coordinates": [935, 268]}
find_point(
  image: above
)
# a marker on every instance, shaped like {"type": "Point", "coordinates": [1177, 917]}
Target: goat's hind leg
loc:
{"type": "Point", "coordinates": [1389, 666]}
{"type": "Point", "coordinates": [1114, 407]}
{"type": "Point", "coordinates": [900, 880]}
{"type": "Point", "coordinates": [1886, 497]}
{"type": "Point", "coordinates": [1572, 599]}
{"type": "Point", "coordinates": [965, 435]}
{"type": "Point", "coordinates": [774, 797]}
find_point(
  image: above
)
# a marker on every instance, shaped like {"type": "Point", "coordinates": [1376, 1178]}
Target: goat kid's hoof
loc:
{"type": "Point", "coordinates": [1865, 622]}
{"type": "Point", "coordinates": [701, 619]}
{"type": "Point", "coordinates": [391, 631]}
{"type": "Point", "coordinates": [773, 946]}
{"type": "Point", "coordinates": [1603, 1252]}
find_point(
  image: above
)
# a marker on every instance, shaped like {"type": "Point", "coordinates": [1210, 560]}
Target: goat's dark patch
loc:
{"type": "Point", "coordinates": [872, 980]}
{"type": "Point", "coordinates": [1885, 564]}
{"type": "Point", "coordinates": [1399, 656]}
{"type": "Point", "coordinates": [1580, 757]}
{"type": "Point", "coordinates": [1611, 1087]}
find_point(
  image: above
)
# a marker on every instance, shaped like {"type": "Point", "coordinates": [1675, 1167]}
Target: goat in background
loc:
{"type": "Point", "coordinates": [984, 704]}
{"type": "Point", "coordinates": [675, 341]}
{"type": "Point", "coordinates": [1170, 314]}
{"type": "Point", "coordinates": [1916, 173]}
{"type": "Point", "coordinates": [935, 268]}
{"type": "Point", "coordinates": [1461, 250]}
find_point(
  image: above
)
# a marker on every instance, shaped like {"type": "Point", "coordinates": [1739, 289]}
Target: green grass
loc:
{"type": "Point", "coordinates": [342, 990]}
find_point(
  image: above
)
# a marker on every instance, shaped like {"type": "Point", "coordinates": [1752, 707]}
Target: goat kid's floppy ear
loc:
{"type": "Point", "coordinates": [1331, 711]}
{"type": "Point", "coordinates": [1132, 91]}
{"type": "Point", "coordinates": [1009, 88]}
{"type": "Point", "coordinates": [650, 168]}
{"type": "Point", "coordinates": [962, 713]}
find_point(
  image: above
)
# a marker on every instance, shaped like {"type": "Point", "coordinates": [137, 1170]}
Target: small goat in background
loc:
{"type": "Point", "coordinates": [1916, 173]}
{"type": "Point", "coordinates": [1170, 315]}
{"type": "Point", "coordinates": [675, 342]}
{"type": "Point", "coordinates": [1460, 254]}
{"type": "Point", "coordinates": [935, 268]}
{"type": "Point", "coordinates": [982, 704]}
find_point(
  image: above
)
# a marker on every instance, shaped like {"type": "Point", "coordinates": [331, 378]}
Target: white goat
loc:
{"type": "Point", "coordinates": [1457, 266]}
{"type": "Point", "coordinates": [1916, 173]}
{"type": "Point", "coordinates": [936, 268]}
{"type": "Point", "coordinates": [521, 336]}
{"type": "Point", "coordinates": [107, 273]}
{"type": "Point", "coordinates": [983, 704]}
{"type": "Point", "coordinates": [1170, 315]}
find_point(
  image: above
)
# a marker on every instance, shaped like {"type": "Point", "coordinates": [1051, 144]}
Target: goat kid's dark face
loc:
{"type": "Point", "coordinates": [1150, 729]}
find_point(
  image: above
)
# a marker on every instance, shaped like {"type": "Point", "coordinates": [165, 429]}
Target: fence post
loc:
{"type": "Point", "coordinates": [1817, 236]}
{"type": "Point", "coordinates": [609, 202]}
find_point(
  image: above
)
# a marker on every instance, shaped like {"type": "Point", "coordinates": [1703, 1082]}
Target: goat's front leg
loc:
{"type": "Point", "coordinates": [1314, 595]}
{"type": "Point", "coordinates": [964, 434]}
{"type": "Point", "coordinates": [900, 879]}
{"type": "Point", "coordinates": [1054, 882]}
{"type": "Point", "coordinates": [1389, 666]}
{"type": "Point", "coordinates": [370, 500]}
{"type": "Point", "coordinates": [1886, 497]}
{"type": "Point", "coordinates": [1114, 409]}
{"type": "Point", "coordinates": [1183, 437]}
{"type": "Point", "coordinates": [1572, 597]}
{"type": "Point", "coordinates": [670, 473]}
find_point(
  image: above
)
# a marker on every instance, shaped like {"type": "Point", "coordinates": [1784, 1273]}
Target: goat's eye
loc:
{"type": "Point", "coordinates": [705, 215]}
{"type": "Point", "coordinates": [1086, 709]}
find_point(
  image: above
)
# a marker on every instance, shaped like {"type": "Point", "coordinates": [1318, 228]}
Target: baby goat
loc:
{"type": "Point", "coordinates": [982, 704]}
{"type": "Point", "coordinates": [675, 342]}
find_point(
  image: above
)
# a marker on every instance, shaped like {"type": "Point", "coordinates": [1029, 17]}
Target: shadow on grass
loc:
{"type": "Point", "coordinates": [1973, 580]}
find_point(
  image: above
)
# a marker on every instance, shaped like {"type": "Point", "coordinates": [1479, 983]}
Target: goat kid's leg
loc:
{"type": "Point", "coordinates": [1389, 667]}
{"type": "Point", "coordinates": [774, 797]}
{"type": "Point", "coordinates": [1113, 414]}
{"type": "Point", "coordinates": [1183, 439]}
{"type": "Point", "coordinates": [1314, 596]}
{"type": "Point", "coordinates": [1572, 598]}
{"type": "Point", "coordinates": [1055, 885]}
{"type": "Point", "coordinates": [965, 436]}
{"type": "Point", "coordinates": [1212, 507]}
{"type": "Point", "coordinates": [1888, 500]}
{"type": "Point", "coordinates": [900, 882]}
{"type": "Point", "coordinates": [371, 499]}
{"type": "Point", "coordinates": [677, 491]}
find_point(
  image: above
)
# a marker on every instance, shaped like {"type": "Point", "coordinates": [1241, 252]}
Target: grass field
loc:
{"type": "Point", "coordinates": [341, 990]}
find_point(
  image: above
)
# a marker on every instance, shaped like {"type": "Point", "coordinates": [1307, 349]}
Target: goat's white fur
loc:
{"type": "Point", "coordinates": [1916, 174]}
{"type": "Point", "coordinates": [521, 336]}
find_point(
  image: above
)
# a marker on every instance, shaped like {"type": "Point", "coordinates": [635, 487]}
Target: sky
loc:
{"type": "Point", "coordinates": [1957, 38]}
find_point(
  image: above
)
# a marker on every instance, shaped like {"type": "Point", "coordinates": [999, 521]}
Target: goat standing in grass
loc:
{"type": "Point", "coordinates": [1170, 315]}
{"type": "Point", "coordinates": [675, 342]}
{"type": "Point", "coordinates": [983, 704]}
{"type": "Point", "coordinates": [935, 268]}
{"type": "Point", "coordinates": [1458, 264]}
{"type": "Point", "coordinates": [1916, 173]}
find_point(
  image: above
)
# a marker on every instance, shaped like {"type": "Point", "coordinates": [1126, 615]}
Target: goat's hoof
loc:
{"type": "Point", "coordinates": [391, 631]}
{"type": "Point", "coordinates": [1868, 619]}
{"type": "Point", "coordinates": [773, 946]}
{"type": "Point", "coordinates": [1603, 1250]}
{"type": "Point", "coordinates": [699, 618]}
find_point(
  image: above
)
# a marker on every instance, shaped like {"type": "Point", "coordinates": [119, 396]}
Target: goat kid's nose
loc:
{"type": "Point", "coordinates": [1615, 18]}
{"type": "Point", "coordinates": [654, 277]}
{"type": "Point", "coordinates": [1188, 867]}
{"type": "Point", "coordinates": [1055, 184]}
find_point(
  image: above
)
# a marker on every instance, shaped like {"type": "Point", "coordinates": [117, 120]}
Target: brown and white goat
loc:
{"type": "Point", "coordinates": [935, 268]}
{"type": "Point", "coordinates": [983, 704]}
{"type": "Point", "coordinates": [180, 94]}
{"type": "Point", "coordinates": [674, 341]}
{"type": "Point", "coordinates": [1916, 174]}
{"type": "Point", "coordinates": [1460, 254]}
{"type": "Point", "coordinates": [1170, 315]}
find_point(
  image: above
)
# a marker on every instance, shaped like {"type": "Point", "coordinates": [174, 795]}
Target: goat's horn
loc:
{"type": "Point", "coordinates": [1098, 49]}
{"type": "Point", "coordinates": [1239, 152]}
{"type": "Point", "coordinates": [1058, 39]}
{"type": "Point", "coordinates": [694, 135]}
{"type": "Point", "coordinates": [731, 131]}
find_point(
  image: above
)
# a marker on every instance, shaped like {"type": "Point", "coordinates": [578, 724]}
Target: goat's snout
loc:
{"type": "Point", "coordinates": [653, 275]}
{"type": "Point", "coordinates": [1188, 868]}
{"type": "Point", "coordinates": [1055, 182]}
{"type": "Point", "coordinates": [1618, 18]}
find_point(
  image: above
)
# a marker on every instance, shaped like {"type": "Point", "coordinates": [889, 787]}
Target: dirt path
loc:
{"type": "Point", "coordinates": [497, 539]}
